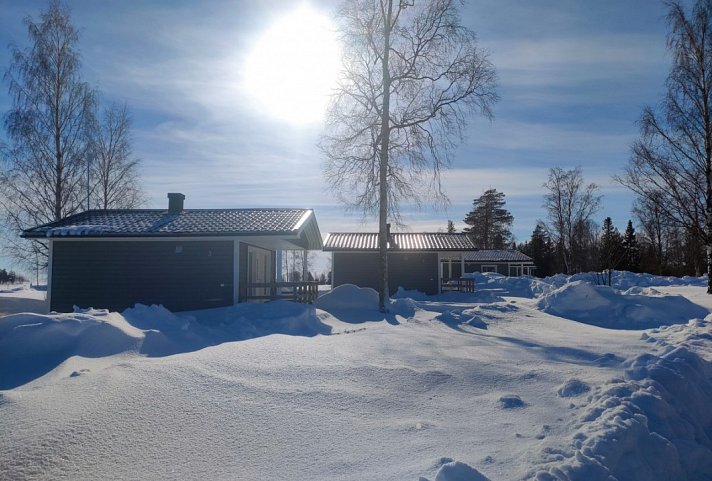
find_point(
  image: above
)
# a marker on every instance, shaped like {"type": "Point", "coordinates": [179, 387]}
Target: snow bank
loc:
{"type": "Point", "coordinates": [351, 303]}
{"type": "Point", "coordinates": [247, 320]}
{"type": "Point", "coordinates": [625, 280]}
{"type": "Point", "coordinates": [34, 344]}
{"type": "Point", "coordinates": [348, 296]}
{"type": "Point", "coordinates": [605, 307]}
{"type": "Point", "coordinates": [523, 286]}
{"type": "Point", "coordinates": [656, 425]}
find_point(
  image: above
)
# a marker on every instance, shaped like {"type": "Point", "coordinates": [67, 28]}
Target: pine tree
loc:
{"type": "Point", "coordinates": [450, 227]}
{"type": "Point", "coordinates": [611, 249]}
{"type": "Point", "coordinates": [631, 250]}
{"type": "Point", "coordinates": [490, 221]}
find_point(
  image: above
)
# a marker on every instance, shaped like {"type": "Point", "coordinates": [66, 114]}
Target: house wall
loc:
{"type": "Point", "coordinates": [501, 268]}
{"type": "Point", "coordinates": [410, 270]}
{"type": "Point", "coordinates": [477, 267]}
{"type": "Point", "coordinates": [180, 275]}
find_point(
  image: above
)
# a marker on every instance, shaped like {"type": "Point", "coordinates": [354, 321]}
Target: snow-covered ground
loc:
{"type": "Point", "coordinates": [553, 379]}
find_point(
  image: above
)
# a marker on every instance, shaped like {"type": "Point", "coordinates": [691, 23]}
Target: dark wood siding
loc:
{"type": "Point", "coordinates": [181, 275]}
{"type": "Point", "coordinates": [410, 270]}
{"type": "Point", "coordinates": [477, 267]}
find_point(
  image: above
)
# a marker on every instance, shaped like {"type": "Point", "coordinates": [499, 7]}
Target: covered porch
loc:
{"type": "Point", "coordinates": [261, 270]}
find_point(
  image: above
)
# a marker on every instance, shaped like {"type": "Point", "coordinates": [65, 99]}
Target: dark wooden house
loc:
{"type": "Point", "coordinates": [184, 259]}
{"type": "Point", "coordinates": [425, 261]}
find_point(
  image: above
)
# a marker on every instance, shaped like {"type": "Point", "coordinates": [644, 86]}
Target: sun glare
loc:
{"type": "Point", "coordinates": [293, 67]}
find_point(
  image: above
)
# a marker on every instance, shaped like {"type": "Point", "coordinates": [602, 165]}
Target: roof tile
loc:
{"type": "Point", "coordinates": [423, 241]}
{"type": "Point", "coordinates": [152, 222]}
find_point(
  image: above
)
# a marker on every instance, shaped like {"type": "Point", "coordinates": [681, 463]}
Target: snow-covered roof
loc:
{"type": "Point", "coordinates": [188, 222]}
{"type": "Point", "coordinates": [497, 255]}
{"type": "Point", "coordinates": [419, 241]}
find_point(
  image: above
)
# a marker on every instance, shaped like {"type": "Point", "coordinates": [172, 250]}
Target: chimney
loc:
{"type": "Point", "coordinates": [175, 203]}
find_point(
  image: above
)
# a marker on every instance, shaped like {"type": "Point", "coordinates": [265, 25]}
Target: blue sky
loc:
{"type": "Point", "coordinates": [574, 76]}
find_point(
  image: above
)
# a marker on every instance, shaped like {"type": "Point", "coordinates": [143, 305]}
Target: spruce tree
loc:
{"type": "Point", "coordinates": [541, 250]}
{"type": "Point", "coordinates": [490, 221]}
{"type": "Point", "coordinates": [631, 250]}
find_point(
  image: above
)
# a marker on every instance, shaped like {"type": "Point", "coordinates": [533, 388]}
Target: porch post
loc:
{"type": "Point", "coordinates": [48, 297]}
{"type": "Point", "coordinates": [278, 261]}
{"type": "Point", "coordinates": [462, 264]}
{"type": "Point", "coordinates": [235, 271]}
{"type": "Point", "coordinates": [440, 274]}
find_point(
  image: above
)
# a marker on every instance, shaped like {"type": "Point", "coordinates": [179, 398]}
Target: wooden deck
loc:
{"type": "Point", "coordinates": [303, 292]}
{"type": "Point", "coordinates": [461, 284]}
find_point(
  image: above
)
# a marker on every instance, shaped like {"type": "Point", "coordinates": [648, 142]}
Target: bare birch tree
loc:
{"type": "Point", "coordinates": [570, 205]}
{"type": "Point", "coordinates": [412, 74]}
{"type": "Point", "coordinates": [671, 165]}
{"type": "Point", "coordinates": [114, 170]}
{"type": "Point", "coordinates": [49, 127]}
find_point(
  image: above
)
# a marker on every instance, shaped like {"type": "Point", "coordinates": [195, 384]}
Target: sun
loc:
{"type": "Point", "coordinates": [293, 67]}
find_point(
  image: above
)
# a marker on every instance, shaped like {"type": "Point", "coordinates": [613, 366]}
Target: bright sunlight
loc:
{"type": "Point", "coordinates": [293, 67]}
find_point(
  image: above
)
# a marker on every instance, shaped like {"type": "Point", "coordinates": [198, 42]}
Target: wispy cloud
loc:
{"type": "Point", "coordinates": [573, 78]}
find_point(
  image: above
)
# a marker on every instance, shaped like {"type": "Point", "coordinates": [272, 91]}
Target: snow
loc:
{"type": "Point", "coordinates": [607, 307]}
{"type": "Point", "coordinates": [553, 379]}
{"type": "Point", "coordinates": [78, 230]}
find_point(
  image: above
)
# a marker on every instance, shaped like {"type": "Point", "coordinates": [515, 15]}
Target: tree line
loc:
{"type": "Point", "coordinates": [65, 151]}
{"type": "Point", "coordinates": [11, 277]}
{"type": "Point", "coordinates": [570, 240]}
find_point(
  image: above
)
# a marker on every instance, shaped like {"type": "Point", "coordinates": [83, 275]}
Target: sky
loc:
{"type": "Point", "coordinates": [573, 76]}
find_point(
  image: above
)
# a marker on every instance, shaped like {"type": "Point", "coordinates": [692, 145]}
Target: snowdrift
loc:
{"type": "Point", "coordinates": [355, 304]}
{"type": "Point", "coordinates": [604, 306]}
{"type": "Point", "coordinates": [654, 425]}
{"type": "Point", "coordinates": [33, 344]}
{"type": "Point", "coordinates": [524, 286]}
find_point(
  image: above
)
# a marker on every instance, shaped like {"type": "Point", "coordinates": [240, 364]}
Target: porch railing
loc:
{"type": "Point", "coordinates": [461, 284]}
{"type": "Point", "coordinates": [304, 292]}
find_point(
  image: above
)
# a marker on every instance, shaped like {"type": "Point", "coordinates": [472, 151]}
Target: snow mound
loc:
{"type": "Point", "coordinates": [155, 317]}
{"type": "Point", "coordinates": [573, 387]}
{"type": "Point", "coordinates": [348, 297]}
{"type": "Point", "coordinates": [246, 320]}
{"type": "Point", "coordinates": [511, 401]}
{"type": "Point", "coordinates": [470, 317]}
{"type": "Point", "coordinates": [605, 307]}
{"type": "Point", "coordinates": [625, 280]}
{"type": "Point", "coordinates": [403, 307]}
{"type": "Point", "coordinates": [655, 426]}
{"type": "Point", "coordinates": [33, 344]}
{"type": "Point", "coordinates": [457, 471]}
{"type": "Point", "coordinates": [643, 291]}
{"type": "Point", "coordinates": [522, 286]}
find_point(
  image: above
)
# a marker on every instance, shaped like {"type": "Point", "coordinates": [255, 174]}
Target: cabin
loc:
{"type": "Point", "coordinates": [184, 259]}
{"type": "Point", "coordinates": [430, 262]}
